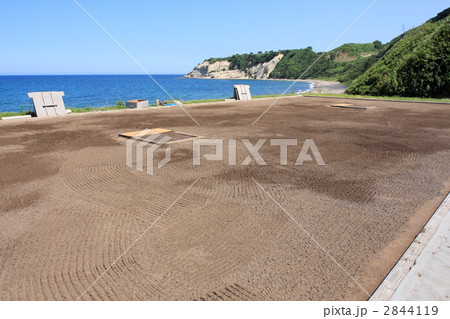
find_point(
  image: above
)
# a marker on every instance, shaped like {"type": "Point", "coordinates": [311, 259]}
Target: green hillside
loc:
{"type": "Point", "coordinates": [343, 64]}
{"type": "Point", "coordinates": [414, 64]}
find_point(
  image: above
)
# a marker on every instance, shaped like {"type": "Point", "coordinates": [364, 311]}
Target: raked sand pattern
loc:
{"type": "Point", "coordinates": [71, 206]}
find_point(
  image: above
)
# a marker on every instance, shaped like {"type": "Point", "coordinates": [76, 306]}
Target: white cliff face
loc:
{"type": "Point", "coordinates": [220, 70]}
{"type": "Point", "coordinates": [217, 70]}
{"type": "Point", "coordinates": [262, 71]}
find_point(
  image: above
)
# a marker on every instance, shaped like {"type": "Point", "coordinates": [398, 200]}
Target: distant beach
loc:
{"type": "Point", "coordinates": [319, 86]}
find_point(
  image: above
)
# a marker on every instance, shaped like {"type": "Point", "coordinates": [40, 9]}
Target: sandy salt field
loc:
{"type": "Point", "coordinates": [70, 206]}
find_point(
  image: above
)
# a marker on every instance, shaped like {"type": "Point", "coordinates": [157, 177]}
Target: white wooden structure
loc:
{"type": "Point", "coordinates": [242, 92]}
{"type": "Point", "coordinates": [48, 103]}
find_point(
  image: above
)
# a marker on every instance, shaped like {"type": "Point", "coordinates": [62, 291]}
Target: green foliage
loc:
{"type": "Point", "coordinates": [98, 109]}
{"type": "Point", "coordinates": [120, 104]}
{"type": "Point", "coordinates": [244, 61]}
{"type": "Point", "coordinates": [377, 45]}
{"type": "Point", "coordinates": [214, 60]}
{"type": "Point", "coordinates": [8, 114]}
{"type": "Point", "coordinates": [294, 63]}
{"type": "Point", "coordinates": [357, 50]}
{"type": "Point", "coordinates": [343, 64]}
{"type": "Point", "coordinates": [427, 72]}
{"type": "Point", "coordinates": [440, 16]}
{"type": "Point", "coordinates": [415, 63]}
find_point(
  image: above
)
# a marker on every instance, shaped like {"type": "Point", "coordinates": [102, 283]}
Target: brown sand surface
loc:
{"type": "Point", "coordinates": [70, 206]}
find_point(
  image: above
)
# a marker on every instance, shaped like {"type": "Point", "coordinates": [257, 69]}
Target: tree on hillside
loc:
{"type": "Point", "coordinates": [377, 45]}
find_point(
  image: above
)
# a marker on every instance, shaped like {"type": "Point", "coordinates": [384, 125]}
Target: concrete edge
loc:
{"type": "Point", "coordinates": [16, 117]}
{"type": "Point", "coordinates": [390, 284]}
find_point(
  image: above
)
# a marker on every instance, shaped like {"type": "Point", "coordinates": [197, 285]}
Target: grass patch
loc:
{"type": "Point", "coordinates": [97, 109]}
{"type": "Point", "coordinates": [119, 106]}
{"type": "Point", "coordinates": [8, 114]}
{"type": "Point", "coordinates": [397, 98]}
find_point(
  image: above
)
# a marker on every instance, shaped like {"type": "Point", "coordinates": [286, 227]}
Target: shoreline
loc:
{"type": "Point", "coordinates": [324, 87]}
{"type": "Point", "coordinates": [313, 86]}
{"type": "Point", "coordinates": [316, 86]}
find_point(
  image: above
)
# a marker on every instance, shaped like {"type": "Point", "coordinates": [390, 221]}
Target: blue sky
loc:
{"type": "Point", "coordinates": [168, 37]}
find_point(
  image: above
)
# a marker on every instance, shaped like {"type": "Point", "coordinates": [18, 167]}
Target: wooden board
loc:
{"type": "Point", "coordinates": [152, 131]}
{"type": "Point", "coordinates": [179, 137]}
{"type": "Point", "coordinates": [175, 137]}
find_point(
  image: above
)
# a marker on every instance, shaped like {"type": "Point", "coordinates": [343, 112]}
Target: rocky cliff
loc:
{"type": "Point", "coordinates": [221, 70]}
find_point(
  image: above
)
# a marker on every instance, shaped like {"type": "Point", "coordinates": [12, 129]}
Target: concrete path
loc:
{"type": "Point", "coordinates": [429, 278]}
{"type": "Point", "coordinates": [422, 273]}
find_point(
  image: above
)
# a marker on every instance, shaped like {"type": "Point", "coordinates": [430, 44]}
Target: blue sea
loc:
{"type": "Point", "coordinates": [103, 90]}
